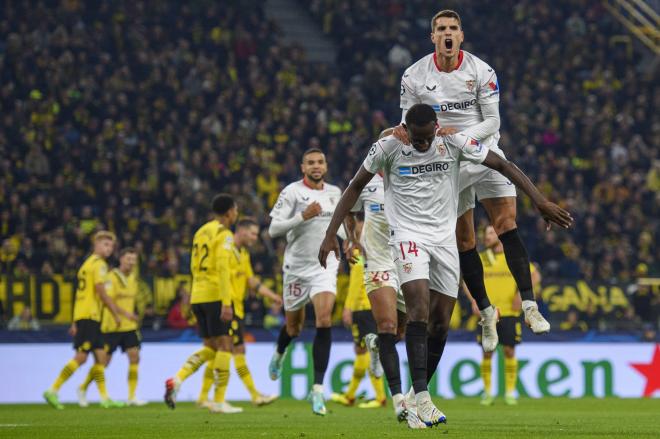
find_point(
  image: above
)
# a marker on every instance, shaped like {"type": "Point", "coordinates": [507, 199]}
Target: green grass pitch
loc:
{"type": "Point", "coordinates": [552, 417]}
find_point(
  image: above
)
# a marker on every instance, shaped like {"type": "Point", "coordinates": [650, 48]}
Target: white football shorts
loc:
{"type": "Point", "coordinates": [440, 265]}
{"type": "Point", "coordinates": [298, 290]}
{"type": "Point", "coordinates": [482, 182]}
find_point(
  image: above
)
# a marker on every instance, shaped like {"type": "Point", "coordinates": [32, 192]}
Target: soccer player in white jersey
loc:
{"type": "Point", "coordinates": [302, 213]}
{"type": "Point", "coordinates": [382, 286]}
{"type": "Point", "coordinates": [464, 92]}
{"type": "Point", "coordinates": [421, 199]}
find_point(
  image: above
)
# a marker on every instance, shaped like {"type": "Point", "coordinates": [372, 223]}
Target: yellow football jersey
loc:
{"type": "Point", "coordinates": [500, 284]}
{"type": "Point", "coordinates": [241, 272]}
{"type": "Point", "coordinates": [212, 250]}
{"type": "Point", "coordinates": [357, 299]}
{"type": "Point", "coordinates": [88, 304]}
{"type": "Point", "coordinates": [123, 291]}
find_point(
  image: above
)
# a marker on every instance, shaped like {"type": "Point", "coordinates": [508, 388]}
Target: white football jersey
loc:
{"type": "Point", "coordinates": [456, 96]}
{"type": "Point", "coordinates": [421, 188]}
{"type": "Point", "coordinates": [375, 232]}
{"type": "Point", "coordinates": [304, 240]}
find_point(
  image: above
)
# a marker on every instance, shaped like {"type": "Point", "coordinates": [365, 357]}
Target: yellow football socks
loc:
{"type": "Point", "coordinates": [510, 374]}
{"type": "Point", "coordinates": [379, 388]}
{"type": "Point", "coordinates": [221, 371]}
{"type": "Point", "coordinates": [132, 380]}
{"type": "Point", "coordinates": [207, 382]}
{"type": "Point", "coordinates": [88, 379]}
{"type": "Point", "coordinates": [359, 369]}
{"type": "Point", "coordinates": [64, 375]}
{"type": "Point", "coordinates": [244, 373]}
{"type": "Point", "coordinates": [194, 362]}
{"type": "Point", "coordinates": [98, 372]}
{"type": "Point", "coordinates": [486, 374]}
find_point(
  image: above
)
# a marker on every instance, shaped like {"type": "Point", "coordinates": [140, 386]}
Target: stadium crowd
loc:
{"type": "Point", "coordinates": [130, 115]}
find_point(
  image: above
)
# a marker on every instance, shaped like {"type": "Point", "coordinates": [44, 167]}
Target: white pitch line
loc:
{"type": "Point", "coordinates": [14, 425]}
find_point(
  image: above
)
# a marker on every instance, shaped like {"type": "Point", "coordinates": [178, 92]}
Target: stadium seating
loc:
{"type": "Point", "coordinates": [132, 115]}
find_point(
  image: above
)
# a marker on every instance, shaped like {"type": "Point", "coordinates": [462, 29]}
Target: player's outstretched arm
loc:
{"type": "Point", "coordinates": [549, 210]}
{"type": "Point", "coordinates": [346, 202]}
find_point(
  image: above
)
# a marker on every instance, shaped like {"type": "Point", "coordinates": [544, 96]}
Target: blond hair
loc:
{"type": "Point", "coordinates": [446, 13]}
{"type": "Point", "coordinates": [103, 234]}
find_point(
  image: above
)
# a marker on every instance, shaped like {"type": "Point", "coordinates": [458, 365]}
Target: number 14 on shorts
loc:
{"type": "Point", "coordinates": [411, 249]}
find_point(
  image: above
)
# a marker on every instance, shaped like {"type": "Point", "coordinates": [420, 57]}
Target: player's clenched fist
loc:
{"type": "Point", "coordinates": [311, 211]}
{"type": "Point", "coordinates": [329, 244]}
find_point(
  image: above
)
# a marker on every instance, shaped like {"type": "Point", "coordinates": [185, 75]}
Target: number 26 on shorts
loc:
{"type": "Point", "coordinates": [380, 276]}
{"type": "Point", "coordinates": [412, 248]}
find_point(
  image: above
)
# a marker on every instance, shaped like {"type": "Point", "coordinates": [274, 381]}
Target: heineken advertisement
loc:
{"type": "Point", "coordinates": [573, 370]}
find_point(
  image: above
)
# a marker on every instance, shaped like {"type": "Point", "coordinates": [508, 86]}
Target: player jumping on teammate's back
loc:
{"type": "Point", "coordinates": [123, 291]}
{"type": "Point", "coordinates": [212, 259]}
{"type": "Point", "coordinates": [247, 234]}
{"type": "Point", "coordinates": [91, 296]}
{"type": "Point", "coordinates": [421, 195]}
{"type": "Point", "coordinates": [302, 213]}
{"type": "Point", "coordinates": [357, 316]}
{"type": "Point", "coordinates": [464, 92]}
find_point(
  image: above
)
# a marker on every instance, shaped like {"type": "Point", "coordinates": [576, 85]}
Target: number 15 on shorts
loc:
{"type": "Point", "coordinates": [294, 289]}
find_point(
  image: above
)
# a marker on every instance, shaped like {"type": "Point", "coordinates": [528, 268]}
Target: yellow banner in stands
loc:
{"type": "Point", "coordinates": [51, 298]}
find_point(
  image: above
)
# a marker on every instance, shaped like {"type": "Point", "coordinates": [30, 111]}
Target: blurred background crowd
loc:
{"type": "Point", "coordinates": [131, 115]}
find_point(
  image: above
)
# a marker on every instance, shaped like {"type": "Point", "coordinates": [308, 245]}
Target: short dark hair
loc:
{"type": "Point", "coordinates": [420, 115]}
{"type": "Point", "coordinates": [248, 221]}
{"type": "Point", "coordinates": [127, 250]}
{"type": "Point", "coordinates": [311, 151]}
{"type": "Point", "coordinates": [446, 13]}
{"type": "Point", "coordinates": [222, 203]}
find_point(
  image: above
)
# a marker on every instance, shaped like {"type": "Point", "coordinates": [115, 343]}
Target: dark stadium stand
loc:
{"type": "Point", "coordinates": [131, 115]}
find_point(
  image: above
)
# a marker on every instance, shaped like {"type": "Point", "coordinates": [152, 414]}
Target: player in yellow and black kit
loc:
{"type": "Point", "coordinates": [357, 315]}
{"type": "Point", "coordinates": [247, 234]}
{"type": "Point", "coordinates": [86, 328]}
{"type": "Point", "coordinates": [503, 294]}
{"type": "Point", "coordinates": [213, 253]}
{"type": "Point", "coordinates": [123, 291]}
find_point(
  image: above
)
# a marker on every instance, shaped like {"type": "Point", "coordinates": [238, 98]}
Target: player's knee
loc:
{"type": "Point", "coordinates": [509, 351]}
{"type": "Point", "coordinates": [438, 330]}
{"type": "Point", "coordinates": [323, 321]}
{"type": "Point", "coordinates": [294, 330]}
{"type": "Point", "coordinates": [417, 313]}
{"type": "Point", "coordinates": [386, 326]}
{"type": "Point", "coordinates": [80, 358]}
{"type": "Point", "coordinates": [504, 223]}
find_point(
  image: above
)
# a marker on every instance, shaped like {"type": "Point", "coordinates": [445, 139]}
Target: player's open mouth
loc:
{"type": "Point", "coordinates": [449, 43]}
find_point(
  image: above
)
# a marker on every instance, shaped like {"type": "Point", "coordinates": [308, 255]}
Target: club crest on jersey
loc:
{"type": "Point", "coordinates": [470, 85]}
{"type": "Point", "coordinates": [407, 267]}
{"type": "Point", "coordinates": [442, 150]}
